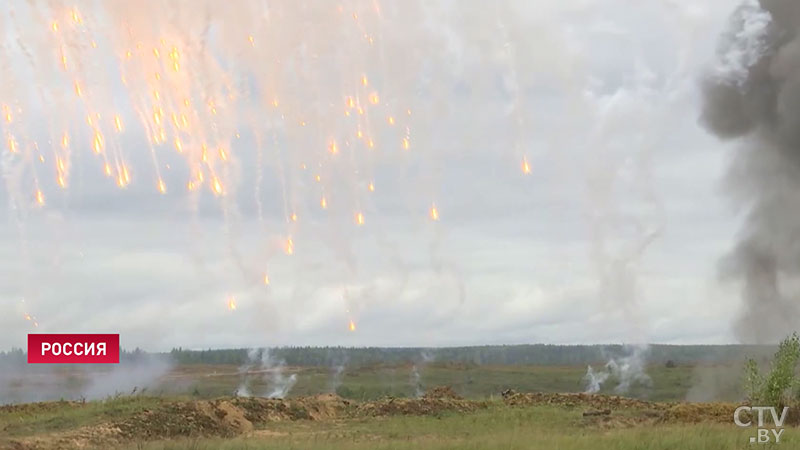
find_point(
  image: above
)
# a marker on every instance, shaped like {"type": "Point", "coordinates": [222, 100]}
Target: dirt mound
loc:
{"type": "Point", "coordinates": [593, 401]}
{"type": "Point", "coordinates": [442, 392]}
{"type": "Point", "coordinates": [624, 411]}
{"type": "Point", "coordinates": [40, 407]}
{"type": "Point", "coordinates": [417, 407]}
{"type": "Point", "coordinates": [318, 407]}
{"type": "Point", "coordinates": [202, 418]}
{"type": "Point", "coordinates": [700, 412]}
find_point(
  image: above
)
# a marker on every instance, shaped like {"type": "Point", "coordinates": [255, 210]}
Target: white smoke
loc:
{"type": "Point", "coordinates": [261, 365]}
{"type": "Point", "coordinates": [415, 378]}
{"type": "Point", "coordinates": [628, 370]}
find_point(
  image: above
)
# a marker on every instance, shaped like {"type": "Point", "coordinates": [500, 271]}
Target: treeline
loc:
{"type": "Point", "coordinates": [532, 354]}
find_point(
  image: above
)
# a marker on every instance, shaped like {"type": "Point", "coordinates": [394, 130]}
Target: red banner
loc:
{"type": "Point", "coordinates": [73, 349]}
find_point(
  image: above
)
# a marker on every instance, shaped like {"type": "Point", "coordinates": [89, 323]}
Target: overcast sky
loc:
{"type": "Point", "coordinates": [613, 236]}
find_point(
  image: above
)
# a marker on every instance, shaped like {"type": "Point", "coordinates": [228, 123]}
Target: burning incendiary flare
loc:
{"type": "Point", "coordinates": [333, 148]}
{"type": "Point", "coordinates": [371, 187]}
{"type": "Point", "coordinates": [526, 167]}
{"type": "Point", "coordinates": [364, 80]}
{"type": "Point", "coordinates": [162, 187]}
{"type": "Point", "coordinates": [390, 120]}
{"type": "Point", "coordinates": [359, 219]}
{"type": "Point", "coordinates": [216, 185]}
{"type": "Point", "coordinates": [118, 124]}
{"type": "Point", "coordinates": [289, 247]}
{"type": "Point", "coordinates": [12, 144]}
{"type": "Point", "coordinates": [352, 326]}
{"type": "Point", "coordinates": [406, 143]}
{"type": "Point", "coordinates": [434, 213]}
{"type": "Point", "coordinates": [39, 197]}
{"type": "Point", "coordinates": [323, 203]}
{"type": "Point", "coordinates": [374, 98]}
{"type": "Point", "coordinates": [231, 303]}
{"type": "Point", "coordinates": [266, 279]}
{"type": "Point", "coordinates": [97, 144]}
{"type": "Point", "coordinates": [293, 217]}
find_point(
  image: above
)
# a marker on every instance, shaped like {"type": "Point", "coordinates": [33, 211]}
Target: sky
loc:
{"type": "Point", "coordinates": [513, 172]}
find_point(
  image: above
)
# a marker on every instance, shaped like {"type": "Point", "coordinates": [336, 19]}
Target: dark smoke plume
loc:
{"type": "Point", "coordinates": [754, 96]}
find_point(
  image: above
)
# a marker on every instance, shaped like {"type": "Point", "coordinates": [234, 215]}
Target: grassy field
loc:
{"type": "Point", "coordinates": [495, 428]}
{"type": "Point", "coordinates": [370, 383]}
{"type": "Point", "coordinates": [497, 425]}
{"type": "Point", "coordinates": [184, 408]}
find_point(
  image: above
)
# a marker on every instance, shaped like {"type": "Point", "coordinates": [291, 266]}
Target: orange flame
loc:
{"type": "Point", "coordinates": [434, 212]}
{"type": "Point", "coordinates": [526, 167]}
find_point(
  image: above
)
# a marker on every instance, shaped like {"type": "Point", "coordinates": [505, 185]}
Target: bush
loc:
{"type": "Point", "coordinates": [780, 386]}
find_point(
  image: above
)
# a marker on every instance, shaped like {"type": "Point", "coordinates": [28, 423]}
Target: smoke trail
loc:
{"type": "Point", "coordinates": [628, 370]}
{"type": "Point", "coordinates": [752, 96]}
{"type": "Point", "coordinates": [262, 365]}
{"type": "Point", "coordinates": [416, 372]}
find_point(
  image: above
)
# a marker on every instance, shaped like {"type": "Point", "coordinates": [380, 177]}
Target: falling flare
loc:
{"type": "Point", "coordinates": [374, 98]}
{"type": "Point", "coordinates": [323, 203]}
{"type": "Point", "coordinates": [406, 143]}
{"type": "Point", "coordinates": [333, 148]}
{"type": "Point", "coordinates": [118, 123]}
{"type": "Point", "coordinates": [231, 303]}
{"type": "Point", "coordinates": [526, 167]}
{"type": "Point", "coordinates": [266, 279]}
{"type": "Point", "coordinates": [97, 144]}
{"type": "Point", "coordinates": [162, 187]}
{"type": "Point", "coordinates": [371, 187]}
{"type": "Point", "coordinates": [359, 219]}
{"type": "Point", "coordinates": [39, 197]}
{"type": "Point", "coordinates": [293, 217]}
{"type": "Point", "coordinates": [216, 186]}
{"type": "Point", "coordinates": [352, 326]}
{"type": "Point", "coordinates": [390, 120]}
{"type": "Point", "coordinates": [434, 213]}
{"type": "Point", "coordinates": [12, 144]}
{"type": "Point", "coordinates": [289, 247]}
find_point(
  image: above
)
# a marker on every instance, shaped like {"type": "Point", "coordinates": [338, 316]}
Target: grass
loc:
{"type": "Point", "coordinates": [498, 427]}
{"type": "Point", "coordinates": [58, 416]}
{"type": "Point", "coordinates": [370, 383]}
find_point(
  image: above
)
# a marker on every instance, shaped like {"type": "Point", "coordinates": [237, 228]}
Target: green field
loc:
{"type": "Point", "coordinates": [369, 383]}
{"type": "Point", "coordinates": [494, 425]}
{"type": "Point", "coordinates": [174, 413]}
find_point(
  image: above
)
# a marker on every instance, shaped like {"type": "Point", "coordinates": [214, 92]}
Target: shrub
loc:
{"type": "Point", "coordinates": [780, 386]}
